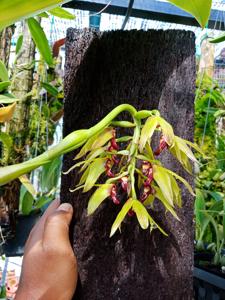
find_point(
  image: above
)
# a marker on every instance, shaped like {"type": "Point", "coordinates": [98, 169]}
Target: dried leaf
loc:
{"type": "Point", "coordinates": [6, 113]}
{"type": "Point", "coordinates": [28, 185]}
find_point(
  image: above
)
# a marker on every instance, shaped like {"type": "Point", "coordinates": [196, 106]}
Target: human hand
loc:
{"type": "Point", "coordinates": [49, 269]}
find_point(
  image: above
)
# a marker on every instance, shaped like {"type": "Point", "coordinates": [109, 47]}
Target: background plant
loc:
{"type": "Point", "coordinates": [210, 192]}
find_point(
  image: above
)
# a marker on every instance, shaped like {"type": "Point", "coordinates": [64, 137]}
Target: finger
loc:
{"type": "Point", "coordinates": [56, 229]}
{"type": "Point", "coordinates": [37, 231]}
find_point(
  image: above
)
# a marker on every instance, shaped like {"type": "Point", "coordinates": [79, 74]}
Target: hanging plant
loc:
{"type": "Point", "coordinates": [124, 162]}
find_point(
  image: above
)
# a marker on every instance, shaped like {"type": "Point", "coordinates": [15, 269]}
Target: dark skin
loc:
{"type": "Point", "coordinates": [49, 269]}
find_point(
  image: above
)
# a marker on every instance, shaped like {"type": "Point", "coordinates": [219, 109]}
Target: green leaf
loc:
{"type": "Point", "coordinates": [121, 215]}
{"type": "Point", "coordinates": [95, 170]}
{"type": "Point", "coordinates": [91, 156]}
{"type": "Point", "coordinates": [50, 88]}
{"type": "Point", "coordinates": [40, 40]}
{"type": "Point", "coordinates": [141, 213]}
{"type": "Point", "coordinates": [199, 206]}
{"type": "Point", "coordinates": [50, 174]}
{"type": "Point", "coordinates": [182, 180]}
{"type": "Point", "coordinates": [8, 99]}
{"type": "Point", "coordinates": [154, 224]}
{"type": "Point", "coordinates": [19, 43]}
{"type": "Point", "coordinates": [103, 138]}
{"type": "Point", "coordinates": [149, 201]}
{"type": "Point", "coordinates": [43, 15]}
{"type": "Point", "coordinates": [147, 131]}
{"type": "Point", "coordinates": [16, 10]}
{"type": "Point", "coordinates": [98, 197]}
{"type": "Point", "coordinates": [176, 191]}
{"type": "Point", "coordinates": [167, 131]}
{"type": "Point", "coordinates": [42, 201]}
{"type": "Point", "coordinates": [168, 207]}
{"type": "Point", "coordinates": [84, 176]}
{"type": "Point", "coordinates": [149, 152]}
{"type": "Point", "coordinates": [181, 157]}
{"type": "Point", "coordinates": [200, 9]}
{"type": "Point", "coordinates": [180, 143]}
{"type": "Point", "coordinates": [162, 178]}
{"type": "Point", "coordinates": [61, 13]}
{"type": "Point", "coordinates": [218, 39]}
{"type": "Point", "coordinates": [216, 195]}
{"type": "Point", "coordinates": [96, 141]}
{"type": "Point", "coordinates": [4, 85]}
{"type": "Point", "coordinates": [149, 128]}
{"type": "Point", "coordinates": [3, 71]}
{"type": "Point", "coordinates": [7, 143]}
{"type": "Point", "coordinates": [27, 203]}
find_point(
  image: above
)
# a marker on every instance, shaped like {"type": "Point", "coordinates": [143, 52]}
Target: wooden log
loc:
{"type": "Point", "coordinates": [150, 70]}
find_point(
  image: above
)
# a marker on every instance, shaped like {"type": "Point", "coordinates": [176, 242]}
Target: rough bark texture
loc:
{"type": "Point", "coordinates": [5, 43]}
{"type": "Point", "coordinates": [150, 70]}
{"type": "Point", "coordinates": [22, 84]}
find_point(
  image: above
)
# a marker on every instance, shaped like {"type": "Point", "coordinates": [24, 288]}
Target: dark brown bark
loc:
{"type": "Point", "coordinates": [5, 43]}
{"type": "Point", "coordinates": [150, 70]}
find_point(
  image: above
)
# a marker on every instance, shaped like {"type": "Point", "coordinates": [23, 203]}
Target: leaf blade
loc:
{"type": "Point", "coordinates": [40, 40]}
{"type": "Point", "coordinates": [98, 197]}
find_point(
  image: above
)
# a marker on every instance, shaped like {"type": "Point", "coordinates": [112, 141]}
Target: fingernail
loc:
{"type": "Point", "coordinates": [65, 207]}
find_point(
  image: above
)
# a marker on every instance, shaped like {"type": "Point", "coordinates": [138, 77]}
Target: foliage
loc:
{"type": "Point", "coordinates": [135, 161]}
{"type": "Point", "coordinates": [200, 9]}
{"type": "Point", "coordinates": [40, 40]}
{"type": "Point", "coordinates": [49, 175]}
{"type": "Point", "coordinates": [210, 192]}
{"type": "Point", "coordinates": [16, 10]}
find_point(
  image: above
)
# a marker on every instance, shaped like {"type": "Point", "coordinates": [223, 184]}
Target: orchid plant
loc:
{"type": "Point", "coordinates": [125, 163]}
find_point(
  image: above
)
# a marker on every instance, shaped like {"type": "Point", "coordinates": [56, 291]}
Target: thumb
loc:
{"type": "Point", "coordinates": [56, 229]}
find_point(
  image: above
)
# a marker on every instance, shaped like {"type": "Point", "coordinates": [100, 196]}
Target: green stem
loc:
{"type": "Point", "coordinates": [133, 153]}
{"type": "Point", "coordinates": [71, 142]}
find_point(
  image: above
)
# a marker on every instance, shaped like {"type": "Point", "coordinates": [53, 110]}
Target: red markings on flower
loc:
{"type": "Point", "coordinates": [108, 168]}
{"type": "Point", "coordinates": [131, 213]}
{"type": "Point", "coordinates": [147, 191]}
{"type": "Point", "coordinates": [147, 170]}
{"type": "Point", "coordinates": [113, 143]}
{"type": "Point", "coordinates": [162, 145]}
{"type": "Point", "coordinates": [113, 160]}
{"type": "Point", "coordinates": [124, 183]}
{"type": "Point", "coordinates": [113, 195]}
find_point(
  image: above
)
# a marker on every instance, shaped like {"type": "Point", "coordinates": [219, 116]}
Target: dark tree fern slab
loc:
{"type": "Point", "coordinates": [150, 70]}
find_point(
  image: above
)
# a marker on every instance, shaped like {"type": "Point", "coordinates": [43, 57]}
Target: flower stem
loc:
{"type": "Point", "coordinates": [71, 142]}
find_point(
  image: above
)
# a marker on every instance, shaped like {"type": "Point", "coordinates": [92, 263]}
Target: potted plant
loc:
{"type": "Point", "coordinates": [32, 205]}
